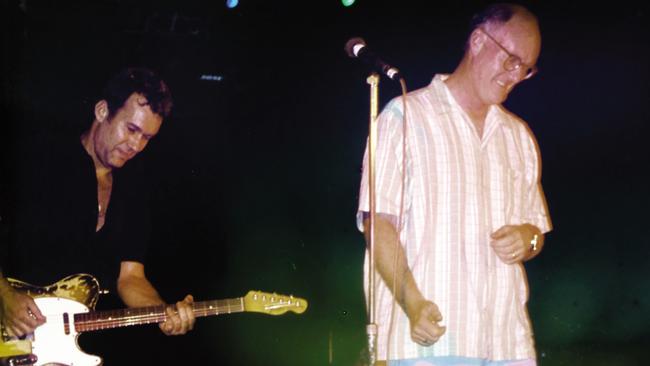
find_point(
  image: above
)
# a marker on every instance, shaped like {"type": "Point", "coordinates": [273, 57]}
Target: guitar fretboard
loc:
{"type": "Point", "coordinates": [98, 320]}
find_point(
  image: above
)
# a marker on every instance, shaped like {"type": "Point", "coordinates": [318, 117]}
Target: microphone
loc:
{"type": "Point", "coordinates": [357, 48]}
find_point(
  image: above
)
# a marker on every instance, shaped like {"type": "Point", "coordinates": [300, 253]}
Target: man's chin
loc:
{"type": "Point", "coordinates": [118, 163]}
{"type": "Point", "coordinates": [495, 97]}
{"type": "Point", "coordinates": [500, 97]}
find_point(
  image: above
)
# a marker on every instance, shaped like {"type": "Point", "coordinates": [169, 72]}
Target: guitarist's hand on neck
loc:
{"type": "Point", "coordinates": [135, 290]}
{"type": "Point", "coordinates": [18, 312]}
{"type": "Point", "coordinates": [180, 320]}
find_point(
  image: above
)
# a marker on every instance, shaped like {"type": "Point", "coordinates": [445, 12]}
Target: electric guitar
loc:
{"type": "Point", "coordinates": [68, 303]}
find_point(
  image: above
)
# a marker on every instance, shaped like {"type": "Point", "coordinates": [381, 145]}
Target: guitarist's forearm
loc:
{"type": "Point", "coordinates": [138, 292]}
{"type": "Point", "coordinates": [134, 288]}
{"type": "Point", "coordinates": [387, 250]}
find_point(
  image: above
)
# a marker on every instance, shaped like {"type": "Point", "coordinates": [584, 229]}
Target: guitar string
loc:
{"type": "Point", "coordinates": [144, 315]}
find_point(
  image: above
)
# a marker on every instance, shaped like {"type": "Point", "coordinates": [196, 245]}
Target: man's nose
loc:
{"type": "Point", "coordinates": [517, 74]}
{"type": "Point", "coordinates": [136, 142]}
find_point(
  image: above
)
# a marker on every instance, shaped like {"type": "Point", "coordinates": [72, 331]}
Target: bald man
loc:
{"type": "Point", "coordinates": [460, 208]}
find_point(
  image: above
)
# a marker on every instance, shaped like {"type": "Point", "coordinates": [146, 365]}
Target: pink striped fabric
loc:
{"type": "Point", "coordinates": [459, 189]}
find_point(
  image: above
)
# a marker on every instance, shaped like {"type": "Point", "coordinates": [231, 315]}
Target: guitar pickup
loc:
{"type": "Point", "coordinates": [66, 323]}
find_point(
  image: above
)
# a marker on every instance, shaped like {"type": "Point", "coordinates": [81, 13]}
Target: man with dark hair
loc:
{"type": "Point", "coordinates": [72, 210]}
{"type": "Point", "coordinates": [459, 207]}
{"type": "Point", "coordinates": [141, 81]}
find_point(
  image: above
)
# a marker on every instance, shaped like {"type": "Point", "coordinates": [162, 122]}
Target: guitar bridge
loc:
{"type": "Point", "coordinates": [23, 360]}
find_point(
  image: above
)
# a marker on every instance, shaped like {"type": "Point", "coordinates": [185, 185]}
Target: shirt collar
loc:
{"type": "Point", "coordinates": [494, 118]}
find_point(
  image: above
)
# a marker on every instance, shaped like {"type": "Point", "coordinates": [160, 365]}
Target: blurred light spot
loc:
{"type": "Point", "coordinates": [347, 2]}
{"type": "Point", "coordinates": [211, 77]}
{"type": "Point", "coordinates": [232, 3]}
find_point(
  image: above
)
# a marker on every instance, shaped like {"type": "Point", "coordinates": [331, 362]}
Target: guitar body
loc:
{"type": "Point", "coordinates": [55, 342]}
{"type": "Point", "coordinates": [74, 294]}
{"type": "Point", "coordinates": [82, 288]}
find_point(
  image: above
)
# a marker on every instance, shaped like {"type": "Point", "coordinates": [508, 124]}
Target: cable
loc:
{"type": "Point", "coordinates": [399, 217]}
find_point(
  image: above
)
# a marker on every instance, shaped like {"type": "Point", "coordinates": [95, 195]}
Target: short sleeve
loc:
{"type": "Point", "coordinates": [388, 165]}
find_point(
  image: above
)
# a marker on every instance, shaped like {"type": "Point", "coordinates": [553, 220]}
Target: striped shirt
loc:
{"type": "Point", "coordinates": [459, 188]}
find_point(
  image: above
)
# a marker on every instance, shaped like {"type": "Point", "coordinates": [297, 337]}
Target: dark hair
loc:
{"type": "Point", "coordinates": [142, 81]}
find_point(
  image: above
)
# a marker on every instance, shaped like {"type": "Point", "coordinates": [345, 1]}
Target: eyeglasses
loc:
{"type": "Point", "coordinates": [513, 62]}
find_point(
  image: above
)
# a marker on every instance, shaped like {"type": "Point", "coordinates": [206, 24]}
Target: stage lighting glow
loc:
{"type": "Point", "coordinates": [232, 3]}
{"type": "Point", "coordinates": [347, 2]}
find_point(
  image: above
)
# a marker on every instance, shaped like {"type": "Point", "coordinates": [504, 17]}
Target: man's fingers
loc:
{"type": "Point", "coordinates": [428, 330]}
{"type": "Point", "coordinates": [425, 329]}
{"type": "Point", "coordinates": [35, 312]}
{"type": "Point", "coordinates": [171, 324]}
{"type": "Point", "coordinates": [501, 232]}
{"type": "Point", "coordinates": [180, 319]}
{"type": "Point", "coordinates": [20, 329]}
{"type": "Point", "coordinates": [186, 311]}
{"type": "Point", "coordinates": [26, 323]}
{"type": "Point", "coordinates": [13, 332]}
{"type": "Point", "coordinates": [183, 317]}
{"type": "Point", "coordinates": [422, 339]}
{"type": "Point", "coordinates": [440, 331]}
{"type": "Point", "coordinates": [428, 337]}
{"type": "Point", "coordinates": [505, 243]}
{"type": "Point", "coordinates": [419, 334]}
{"type": "Point", "coordinates": [166, 327]}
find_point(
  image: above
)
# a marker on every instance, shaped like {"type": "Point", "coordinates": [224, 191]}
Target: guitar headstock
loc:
{"type": "Point", "coordinates": [273, 304]}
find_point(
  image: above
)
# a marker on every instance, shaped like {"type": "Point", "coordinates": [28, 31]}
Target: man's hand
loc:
{"type": "Point", "coordinates": [180, 321]}
{"type": "Point", "coordinates": [425, 321]}
{"type": "Point", "coordinates": [136, 291]}
{"type": "Point", "coordinates": [19, 313]}
{"type": "Point", "coordinates": [511, 243]}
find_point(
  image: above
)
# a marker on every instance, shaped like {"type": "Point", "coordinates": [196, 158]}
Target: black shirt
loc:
{"type": "Point", "coordinates": [52, 215]}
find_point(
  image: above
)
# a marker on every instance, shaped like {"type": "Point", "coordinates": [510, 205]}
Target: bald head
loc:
{"type": "Point", "coordinates": [496, 15]}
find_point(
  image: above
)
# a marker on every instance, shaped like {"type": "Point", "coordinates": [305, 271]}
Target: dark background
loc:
{"type": "Point", "coordinates": [257, 173]}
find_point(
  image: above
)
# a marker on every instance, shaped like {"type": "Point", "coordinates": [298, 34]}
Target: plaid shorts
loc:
{"type": "Point", "coordinates": [459, 361]}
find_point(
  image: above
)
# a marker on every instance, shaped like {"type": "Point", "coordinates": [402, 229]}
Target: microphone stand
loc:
{"type": "Point", "coordinates": [371, 327]}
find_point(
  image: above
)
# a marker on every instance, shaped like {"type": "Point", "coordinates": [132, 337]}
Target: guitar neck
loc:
{"type": "Point", "coordinates": [97, 320]}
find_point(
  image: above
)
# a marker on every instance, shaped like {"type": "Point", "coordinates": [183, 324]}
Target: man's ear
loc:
{"type": "Point", "coordinates": [101, 111]}
{"type": "Point", "coordinates": [476, 41]}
